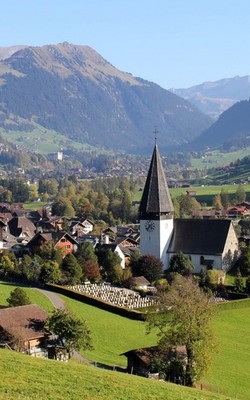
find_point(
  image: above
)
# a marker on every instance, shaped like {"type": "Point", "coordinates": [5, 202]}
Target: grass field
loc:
{"type": "Point", "coordinates": [215, 158]}
{"type": "Point", "coordinates": [34, 206]}
{"type": "Point", "coordinates": [231, 364]}
{"type": "Point", "coordinates": [229, 374]}
{"type": "Point", "coordinates": [113, 335]}
{"type": "Point", "coordinates": [24, 377]}
{"type": "Point", "coordinates": [35, 296]}
{"type": "Point", "coordinates": [42, 140]}
{"type": "Point", "coordinates": [204, 194]}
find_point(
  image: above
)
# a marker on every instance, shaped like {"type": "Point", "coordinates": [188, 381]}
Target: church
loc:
{"type": "Point", "coordinates": [210, 243]}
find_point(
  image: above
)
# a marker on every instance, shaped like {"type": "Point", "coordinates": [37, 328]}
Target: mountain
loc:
{"type": "Point", "coordinates": [213, 98]}
{"type": "Point", "coordinates": [230, 131]}
{"type": "Point", "coordinates": [75, 92]}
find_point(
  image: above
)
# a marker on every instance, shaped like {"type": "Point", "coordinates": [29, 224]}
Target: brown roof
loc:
{"type": "Point", "coordinates": [138, 280]}
{"type": "Point", "coordinates": [25, 321]}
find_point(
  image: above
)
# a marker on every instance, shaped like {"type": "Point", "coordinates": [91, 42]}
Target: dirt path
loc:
{"type": "Point", "coordinates": [54, 298]}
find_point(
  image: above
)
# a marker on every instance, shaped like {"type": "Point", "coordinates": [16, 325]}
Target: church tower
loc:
{"type": "Point", "coordinates": [156, 212]}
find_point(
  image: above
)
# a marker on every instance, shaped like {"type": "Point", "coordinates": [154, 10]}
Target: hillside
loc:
{"type": "Point", "coordinates": [230, 131]}
{"type": "Point", "coordinates": [23, 377]}
{"type": "Point", "coordinates": [213, 98]}
{"type": "Point", "coordinates": [74, 91]}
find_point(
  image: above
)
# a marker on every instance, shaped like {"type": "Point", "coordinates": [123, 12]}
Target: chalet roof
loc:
{"type": "Point", "coordinates": [138, 280]}
{"type": "Point", "coordinates": [25, 321]}
{"type": "Point", "coordinates": [147, 354]}
{"type": "Point", "coordinates": [199, 236]}
{"type": "Point", "coordinates": [156, 197]}
{"type": "Point", "coordinates": [52, 236]}
{"type": "Point", "coordinates": [19, 225]}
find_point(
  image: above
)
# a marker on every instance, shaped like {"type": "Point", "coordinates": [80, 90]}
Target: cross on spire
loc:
{"type": "Point", "coordinates": [155, 131]}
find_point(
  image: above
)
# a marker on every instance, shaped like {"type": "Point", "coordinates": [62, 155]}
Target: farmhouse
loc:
{"type": "Point", "coordinates": [210, 243]}
{"type": "Point", "coordinates": [61, 240]}
{"type": "Point", "coordinates": [141, 361]}
{"type": "Point", "coordinates": [21, 328]}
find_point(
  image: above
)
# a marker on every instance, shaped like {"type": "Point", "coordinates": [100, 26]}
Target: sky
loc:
{"type": "Point", "coordinates": [174, 43]}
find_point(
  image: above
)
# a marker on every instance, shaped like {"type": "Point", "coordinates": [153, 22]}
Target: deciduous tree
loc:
{"type": "Point", "coordinates": [71, 332]}
{"type": "Point", "coordinates": [148, 266]}
{"type": "Point", "coordinates": [189, 325]}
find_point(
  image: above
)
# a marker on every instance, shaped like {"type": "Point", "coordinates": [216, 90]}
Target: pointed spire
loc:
{"type": "Point", "coordinates": [156, 200]}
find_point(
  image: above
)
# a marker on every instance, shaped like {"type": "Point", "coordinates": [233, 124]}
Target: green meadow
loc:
{"type": "Point", "coordinates": [35, 296]}
{"type": "Point", "coordinates": [27, 378]}
{"type": "Point", "coordinates": [216, 158]}
{"type": "Point", "coordinates": [230, 368]}
{"type": "Point", "coordinates": [204, 194]}
{"type": "Point", "coordinates": [113, 335]}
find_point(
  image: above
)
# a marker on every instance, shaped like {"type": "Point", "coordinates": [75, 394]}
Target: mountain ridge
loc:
{"type": "Point", "coordinates": [74, 91]}
{"type": "Point", "coordinates": [215, 97]}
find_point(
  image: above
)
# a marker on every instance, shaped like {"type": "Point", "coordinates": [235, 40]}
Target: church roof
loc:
{"type": "Point", "coordinates": [156, 197]}
{"type": "Point", "coordinates": [199, 236]}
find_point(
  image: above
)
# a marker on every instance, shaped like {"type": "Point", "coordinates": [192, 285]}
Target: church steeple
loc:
{"type": "Point", "coordinates": [156, 202]}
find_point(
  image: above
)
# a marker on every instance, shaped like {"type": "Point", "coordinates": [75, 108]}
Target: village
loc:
{"type": "Point", "coordinates": [123, 268]}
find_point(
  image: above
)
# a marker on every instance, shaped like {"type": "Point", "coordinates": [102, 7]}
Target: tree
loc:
{"type": "Point", "coordinates": [217, 202]}
{"type": "Point", "coordinates": [71, 332]}
{"type": "Point", "coordinates": [148, 266]}
{"type": "Point", "coordinates": [31, 267]}
{"type": "Point", "coordinates": [85, 252]}
{"type": "Point", "coordinates": [18, 297]}
{"type": "Point", "coordinates": [63, 207]}
{"type": "Point", "coordinates": [71, 269]}
{"type": "Point", "coordinates": [189, 325]}
{"type": "Point", "coordinates": [91, 271]}
{"type": "Point", "coordinates": [224, 196]}
{"type": "Point", "coordinates": [110, 262]}
{"type": "Point", "coordinates": [239, 282]}
{"type": "Point", "coordinates": [187, 204]}
{"type": "Point", "coordinates": [50, 272]}
{"type": "Point", "coordinates": [181, 264]}
{"type": "Point", "coordinates": [7, 266]}
{"type": "Point", "coordinates": [240, 194]}
{"type": "Point", "coordinates": [243, 263]}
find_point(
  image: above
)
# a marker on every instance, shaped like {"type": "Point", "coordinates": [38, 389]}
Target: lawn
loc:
{"type": "Point", "coordinates": [34, 205]}
{"type": "Point", "coordinates": [229, 374]}
{"type": "Point", "coordinates": [231, 364]}
{"type": "Point", "coordinates": [35, 296]}
{"type": "Point", "coordinates": [27, 378]}
{"type": "Point", "coordinates": [112, 334]}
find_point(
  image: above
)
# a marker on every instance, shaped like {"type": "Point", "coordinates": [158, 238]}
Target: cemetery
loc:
{"type": "Point", "coordinates": [121, 297]}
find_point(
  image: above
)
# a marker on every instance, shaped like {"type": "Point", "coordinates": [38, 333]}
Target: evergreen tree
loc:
{"type": "Point", "coordinates": [71, 269]}
{"type": "Point", "coordinates": [18, 297]}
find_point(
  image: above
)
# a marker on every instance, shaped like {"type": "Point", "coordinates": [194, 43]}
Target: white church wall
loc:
{"type": "Point", "coordinates": [156, 241]}
{"type": "Point", "coordinates": [231, 249]}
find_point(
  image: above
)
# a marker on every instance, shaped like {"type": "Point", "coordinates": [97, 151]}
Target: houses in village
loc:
{"type": "Point", "coordinates": [24, 232]}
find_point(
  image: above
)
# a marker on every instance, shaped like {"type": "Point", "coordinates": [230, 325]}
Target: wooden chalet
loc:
{"type": "Point", "coordinates": [22, 329]}
{"type": "Point", "coordinates": [61, 240]}
{"type": "Point", "coordinates": [140, 361]}
{"type": "Point", "coordinates": [21, 227]}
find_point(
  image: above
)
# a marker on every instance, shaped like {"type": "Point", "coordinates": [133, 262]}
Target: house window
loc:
{"type": "Point", "coordinates": [202, 260]}
{"type": "Point", "coordinates": [68, 246]}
